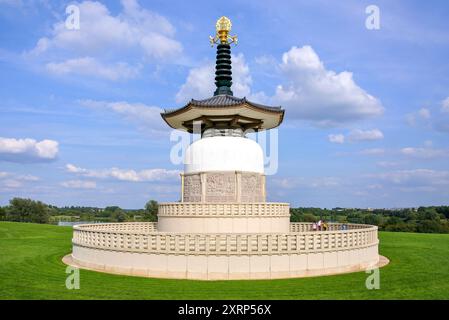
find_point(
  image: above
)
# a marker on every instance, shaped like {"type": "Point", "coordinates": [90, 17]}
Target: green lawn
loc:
{"type": "Point", "coordinates": [31, 268]}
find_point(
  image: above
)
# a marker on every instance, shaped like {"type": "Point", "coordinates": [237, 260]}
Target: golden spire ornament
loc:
{"type": "Point", "coordinates": [223, 27]}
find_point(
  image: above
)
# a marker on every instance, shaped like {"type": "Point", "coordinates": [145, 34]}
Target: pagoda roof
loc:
{"type": "Point", "coordinates": [223, 107]}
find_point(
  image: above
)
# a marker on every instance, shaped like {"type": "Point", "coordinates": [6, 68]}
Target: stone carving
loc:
{"type": "Point", "coordinates": [223, 187]}
{"type": "Point", "coordinates": [220, 187]}
{"type": "Point", "coordinates": [192, 188]}
{"type": "Point", "coordinates": [251, 187]}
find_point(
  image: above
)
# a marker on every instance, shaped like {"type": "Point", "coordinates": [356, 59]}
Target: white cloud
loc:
{"type": "Point", "coordinates": [146, 117]}
{"type": "Point", "coordinates": [312, 92]}
{"type": "Point", "coordinates": [3, 174]}
{"type": "Point", "coordinates": [104, 40]}
{"type": "Point", "coordinates": [357, 135]}
{"type": "Point", "coordinates": [325, 182]}
{"type": "Point", "coordinates": [10, 180]}
{"type": "Point", "coordinates": [90, 67]}
{"type": "Point", "coordinates": [365, 135]}
{"type": "Point", "coordinates": [241, 79]}
{"type": "Point", "coordinates": [199, 84]}
{"type": "Point", "coordinates": [387, 164]}
{"type": "Point", "coordinates": [416, 177]}
{"type": "Point", "coordinates": [125, 174]}
{"type": "Point", "coordinates": [445, 105]}
{"type": "Point", "coordinates": [200, 81]}
{"type": "Point", "coordinates": [424, 153]}
{"type": "Point", "coordinates": [27, 150]}
{"type": "Point", "coordinates": [428, 143]}
{"type": "Point", "coordinates": [12, 184]}
{"type": "Point", "coordinates": [79, 184]}
{"type": "Point", "coordinates": [27, 177]}
{"type": "Point", "coordinates": [422, 115]}
{"type": "Point", "coordinates": [372, 152]}
{"type": "Point", "coordinates": [336, 138]}
{"type": "Point", "coordinates": [74, 169]}
{"type": "Point", "coordinates": [266, 61]}
{"type": "Point", "coordinates": [313, 182]}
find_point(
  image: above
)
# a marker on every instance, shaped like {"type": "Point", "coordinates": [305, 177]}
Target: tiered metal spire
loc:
{"type": "Point", "coordinates": [223, 68]}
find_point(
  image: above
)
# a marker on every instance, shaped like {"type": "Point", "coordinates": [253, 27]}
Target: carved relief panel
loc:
{"type": "Point", "coordinates": [192, 188]}
{"type": "Point", "coordinates": [224, 187]}
{"type": "Point", "coordinates": [220, 187]}
{"type": "Point", "coordinates": [251, 187]}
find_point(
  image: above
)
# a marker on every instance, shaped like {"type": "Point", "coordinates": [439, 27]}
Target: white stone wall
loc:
{"type": "Point", "coordinates": [216, 267]}
{"type": "Point", "coordinates": [119, 249]}
{"type": "Point", "coordinates": [266, 217]}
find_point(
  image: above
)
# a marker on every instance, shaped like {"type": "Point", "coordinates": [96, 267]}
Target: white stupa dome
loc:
{"type": "Point", "coordinates": [224, 153]}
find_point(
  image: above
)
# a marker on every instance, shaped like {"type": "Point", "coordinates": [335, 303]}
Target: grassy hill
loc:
{"type": "Point", "coordinates": [31, 268]}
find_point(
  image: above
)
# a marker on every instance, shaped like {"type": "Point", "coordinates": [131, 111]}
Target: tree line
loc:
{"type": "Point", "coordinates": [433, 219]}
{"type": "Point", "coordinates": [28, 210]}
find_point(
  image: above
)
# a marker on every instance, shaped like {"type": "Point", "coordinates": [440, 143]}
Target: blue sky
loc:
{"type": "Point", "coordinates": [367, 111]}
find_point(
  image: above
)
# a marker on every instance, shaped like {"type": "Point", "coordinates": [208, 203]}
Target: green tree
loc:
{"type": "Point", "coordinates": [372, 219]}
{"type": "Point", "coordinates": [2, 213]}
{"type": "Point", "coordinates": [119, 215]}
{"type": "Point", "coordinates": [308, 217]}
{"type": "Point", "coordinates": [27, 210]}
{"type": "Point", "coordinates": [431, 226]}
{"type": "Point", "coordinates": [151, 210]}
{"type": "Point", "coordinates": [428, 213]}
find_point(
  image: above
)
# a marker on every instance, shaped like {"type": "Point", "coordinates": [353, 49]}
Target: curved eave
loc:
{"type": "Point", "coordinates": [270, 117]}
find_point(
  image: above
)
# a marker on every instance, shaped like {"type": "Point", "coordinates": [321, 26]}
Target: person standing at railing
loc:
{"type": "Point", "coordinates": [320, 225]}
{"type": "Point", "coordinates": [314, 226]}
{"type": "Point", "coordinates": [325, 226]}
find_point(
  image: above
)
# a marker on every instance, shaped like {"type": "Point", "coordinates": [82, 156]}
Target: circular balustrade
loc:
{"type": "Point", "coordinates": [140, 249]}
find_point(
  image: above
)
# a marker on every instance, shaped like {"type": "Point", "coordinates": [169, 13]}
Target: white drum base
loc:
{"type": "Point", "coordinates": [139, 249]}
{"type": "Point", "coordinates": [224, 267]}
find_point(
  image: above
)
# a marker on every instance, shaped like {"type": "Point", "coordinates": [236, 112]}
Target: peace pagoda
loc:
{"type": "Point", "coordinates": [223, 228]}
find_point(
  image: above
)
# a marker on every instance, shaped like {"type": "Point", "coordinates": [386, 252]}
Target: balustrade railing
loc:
{"type": "Point", "coordinates": [143, 237]}
{"type": "Point", "coordinates": [198, 209]}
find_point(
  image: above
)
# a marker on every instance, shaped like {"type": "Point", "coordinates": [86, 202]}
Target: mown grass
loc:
{"type": "Point", "coordinates": [31, 268]}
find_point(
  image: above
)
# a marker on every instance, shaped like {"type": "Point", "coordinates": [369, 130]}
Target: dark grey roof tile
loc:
{"type": "Point", "coordinates": [220, 101]}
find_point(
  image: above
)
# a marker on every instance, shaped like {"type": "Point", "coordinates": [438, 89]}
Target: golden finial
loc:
{"type": "Point", "coordinates": [223, 27]}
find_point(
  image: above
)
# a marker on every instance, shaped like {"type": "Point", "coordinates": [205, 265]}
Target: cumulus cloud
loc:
{"type": "Point", "coordinates": [372, 152]}
{"type": "Point", "coordinates": [365, 135]}
{"type": "Point", "coordinates": [91, 67]}
{"type": "Point", "coordinates": [9, 180]}
{"type": "Point", "coordinates": [336, 138]}
{"type": "Point", "coordinates": [445, 105]}
{"type": "Point", "coordinates": [387, 164]}
{"type": "Point", "coordinates": [416, 177]}
{"type": "Point", "coordinates": [357, 135]}
{"type": "Point", "coordinates": [27, 150]}
{"type": "Point", "coordinates": [312, 92]}
{"type": "Point", "coordinates": [422, 115]}
{"type": "Point", "coordinates": [147, 175]}
{"type": "Point", "coordinates": [200, 81]}
{"type": "Point", "coordinates": [104, 39]}
{"type": "Point", "coordinates": [313, 182]}
{"type": "Point", "coordinates": [146, 117]}
{"type": "Point", "coordinates": [79, 184]}
{"type": "Point", "coordinates": [199, 84]}
{"type": "Point", "coordinates": [424, 152]}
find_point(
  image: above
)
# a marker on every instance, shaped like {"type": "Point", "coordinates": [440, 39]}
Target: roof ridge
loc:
{"type": "Point", "coordinates": [224, 100]}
